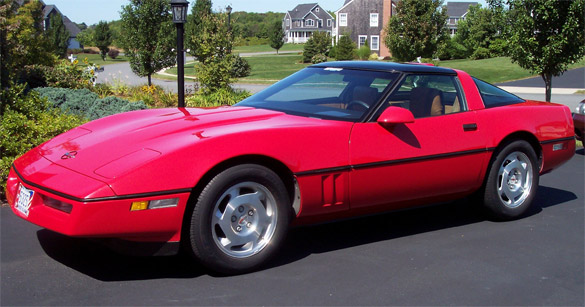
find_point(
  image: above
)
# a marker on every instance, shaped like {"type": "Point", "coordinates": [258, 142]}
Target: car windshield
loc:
{"type": "Point", "coordinates": [327, 93]}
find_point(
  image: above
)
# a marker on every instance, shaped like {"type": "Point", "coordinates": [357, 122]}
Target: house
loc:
{"type": "Point", "coordinates": [50, 10]}
{"type": "Point", "coordinates": [364, 21]}
{"type": "Point", "coordinates": [457, 11]}
{"type": "Point", "coordinates": [300, 23]}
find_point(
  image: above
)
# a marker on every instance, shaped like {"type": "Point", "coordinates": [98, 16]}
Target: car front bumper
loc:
{"type": "Point", "coordinates": [105, 217]}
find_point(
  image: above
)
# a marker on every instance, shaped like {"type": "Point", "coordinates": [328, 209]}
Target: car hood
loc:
{"type": "Point", "coordinates": [111, 146]}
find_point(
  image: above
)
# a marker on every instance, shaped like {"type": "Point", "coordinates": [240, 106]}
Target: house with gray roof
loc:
{"type": "Point", "coordinates": [50, 10]}
{"type": "Point", "coordinates": [457, 11]}
{"type": "Point", "coordinates": [305, 19]}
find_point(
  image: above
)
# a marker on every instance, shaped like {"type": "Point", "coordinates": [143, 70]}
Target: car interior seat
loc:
{"type": "Point", "coordinates": [425, 102]}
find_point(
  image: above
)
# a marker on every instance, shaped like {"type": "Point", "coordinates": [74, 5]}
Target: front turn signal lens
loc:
{"type": "Point", "coordinates": [139, 205]}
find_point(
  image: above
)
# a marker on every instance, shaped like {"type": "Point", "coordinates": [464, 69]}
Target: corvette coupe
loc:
{"type": "Point", "coordinates": [332, 141]}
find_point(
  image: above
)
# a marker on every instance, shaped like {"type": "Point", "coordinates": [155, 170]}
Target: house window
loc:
{"type": "Point", "coordinates": [362, 40]}
{"type": "Point", "coordinates": [309, 23]}
{"type": "Point", "coordinates": [375, 42]}
{"type": "Point", "coordinates": [343, 20]}
{"type": "Point", "coordinates": [317, 10]}
{"type": "Point", "coordinates": [328, 23]}
{"type": "Point", "coordinates": [320, 23]}
{"type": "Point", "coordinates": [288, 22]}
{"type": "Point", "coordinates": [373, 19]}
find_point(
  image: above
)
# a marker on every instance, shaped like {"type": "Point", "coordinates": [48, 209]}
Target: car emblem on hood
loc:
{"type": "Point", "coordinates": [69, 155]}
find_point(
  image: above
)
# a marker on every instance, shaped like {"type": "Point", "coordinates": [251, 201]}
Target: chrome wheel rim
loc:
{"type": "Point", "coordinates": [515, 179]}
{"type": "Point", "coordinates": [244, 219]}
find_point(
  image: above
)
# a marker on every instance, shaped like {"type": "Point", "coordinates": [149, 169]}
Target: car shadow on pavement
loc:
{"type": "Point", "coordinates": [98, 261]}
{"type": "Point", "coordinates": [101, 263]}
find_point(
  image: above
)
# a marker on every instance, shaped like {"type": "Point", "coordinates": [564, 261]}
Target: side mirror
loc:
{"type": "Point", "coordinates": [395, 115]}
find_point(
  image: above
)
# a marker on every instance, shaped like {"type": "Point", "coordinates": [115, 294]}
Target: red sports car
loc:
{"type": "Point", "coordinates": [332, 141]}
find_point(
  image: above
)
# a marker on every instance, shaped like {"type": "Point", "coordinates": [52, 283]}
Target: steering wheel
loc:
{"type": "Point", "coordinates": [357, 103]}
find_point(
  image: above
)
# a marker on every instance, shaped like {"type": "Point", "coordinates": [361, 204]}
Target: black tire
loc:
{"type": "Point", "coordinates": [244, 204]}
{"type": "Point", "coordinates": [512, 181]}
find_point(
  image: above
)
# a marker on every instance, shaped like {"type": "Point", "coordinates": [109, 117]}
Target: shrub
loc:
{"type": "Point", "coordinates": [87, 104]}
{"type": "Point", "coordinates": [69, 75]}
{"type": "Point", "coordinates": [90, 51]}
{"type": "Point", "coordinates": [27, 121]}
{"type": "Point", "coordinates": [480, 53]}
{"type": "Point", "coordinates": [240, 66]}
{"type": "Point", "coordinates": [318, 58]}
{"type": "Point", "coordinates": [319, 43]}
{"type": "Point", "coordinates": [345, 49]}
{"type": "Point", "coordinates": [373, 57]}
{"type": "Point", "coordinates": [113, 53]}
{"type": "Point", "coordinates": [221, 97]}
{"type": "Point", "coordinates": [112, 105]}
{"type": "Point", "coordinates": [214, 75]}
{"type": "Point", "coordinates": [364, 52]}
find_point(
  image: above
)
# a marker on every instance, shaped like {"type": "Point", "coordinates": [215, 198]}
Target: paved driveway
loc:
{"type": "Point", "coordinates": [574, 78]}
{"type": "Point", "coordinates": [443, 255]}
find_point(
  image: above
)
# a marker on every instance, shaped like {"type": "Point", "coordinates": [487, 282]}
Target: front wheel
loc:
{"type": "Point", "coordinates": [512, 181]}
{"type": "Point", "coordinates": [240, 219]}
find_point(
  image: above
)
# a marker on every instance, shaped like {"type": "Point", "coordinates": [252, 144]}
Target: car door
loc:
{"type": "Point", "coordinates": [437, 157]}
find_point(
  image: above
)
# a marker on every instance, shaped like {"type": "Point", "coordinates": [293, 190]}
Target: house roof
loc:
{"type": "Point", "coordinates": [71, 27]}
{"type": "Point", "coordinates": [458, 9]}
{"type": "Point", "coordinates": [301, 10]}
{"type": "Point", "coordinates": [48, 9]}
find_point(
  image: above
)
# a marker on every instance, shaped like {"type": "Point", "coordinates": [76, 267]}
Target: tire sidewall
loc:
{"type": "Point", "coordinates": [201, 238]}
{"type": "Point", "coordinates": [491, 200]}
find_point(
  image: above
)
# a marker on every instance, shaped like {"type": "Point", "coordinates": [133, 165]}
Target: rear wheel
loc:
{"type": "Point", "coordinates": [512, 181]}
{"type": "Point", "coordinates": [240, 219]}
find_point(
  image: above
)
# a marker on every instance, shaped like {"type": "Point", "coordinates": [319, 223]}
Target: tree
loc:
{"type": "Point", "coordinates": [85, 37]}
{"type": "Point", "coordinates": [277, 36]}
{"type": "Point", "coordinates": [345, 49]}
{"type": "Point", "coordinates": [417, 29]}
{"type": "Point", "coordinates": [58, 35]}
{"type": "Point", "coordinates": [102, 38]}
{"type": "Point", "coordinates": [481, 31]}
{"type": "Point", "coordinates": [22, 39]}
{"type": "Point", "coordinates": [194, 28]}
{"type": "Point", "coordinates": [148, 36]}
{"type": "Point", "coordinates": [214, 70]}
{"type": "Point", "coordinates": [546, 36]}
{"type": "Point", "coordinates": [319, 43]}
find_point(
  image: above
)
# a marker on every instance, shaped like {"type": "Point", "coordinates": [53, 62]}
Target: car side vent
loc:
{"type": "Point", "coordinates": [333, 187]}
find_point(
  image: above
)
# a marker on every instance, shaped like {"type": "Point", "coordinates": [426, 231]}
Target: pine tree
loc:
{"type": "Point", "coordinates": [345, 49]}
{"type": "Point", "coordinates": [58, 35]}
{"type": "Point", "coordinates": [103, 38]}
{"type": "Point", "coordinates": [277, 36]}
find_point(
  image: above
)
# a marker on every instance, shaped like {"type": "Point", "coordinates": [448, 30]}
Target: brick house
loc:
{"type": "Point", "coordinates": [300, 23]}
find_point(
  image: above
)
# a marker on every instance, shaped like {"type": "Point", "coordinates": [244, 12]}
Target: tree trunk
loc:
{"type": "Point", "coordinates": [149, 80]}
{"type": "Point", "coordinates": [547, 77]}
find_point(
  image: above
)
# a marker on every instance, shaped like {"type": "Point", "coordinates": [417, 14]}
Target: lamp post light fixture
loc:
{"type": "Point", "coordinates": [180, 18]}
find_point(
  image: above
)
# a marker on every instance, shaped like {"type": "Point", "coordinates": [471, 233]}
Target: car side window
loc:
{"type": "Point", "coordinates": [428, 95]}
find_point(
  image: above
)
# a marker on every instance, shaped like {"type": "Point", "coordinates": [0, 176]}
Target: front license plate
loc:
{"type": "Point", "coordinates": [24, 200]}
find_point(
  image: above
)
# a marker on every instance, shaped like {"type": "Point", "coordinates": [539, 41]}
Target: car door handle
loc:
{"type": "Point", "coordinates": [470, 127]}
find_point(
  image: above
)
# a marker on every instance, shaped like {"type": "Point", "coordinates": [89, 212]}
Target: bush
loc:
{"type": "Point", "coordinates": [221, 97]}
{"type": "Point", "coordinates": [86, 104]}
{"type": "Point", "coordinates": [373, 57]}
{"type": "Point", "coordinates": [90, 51]}
{"type": "Point", "coordinates": [113, 53]}
{"type": "Point", "coordinates": [480, 53]}
{"type": "Point", "coordinates": [69, 75]}
{"type": "Point", "coordinates": [345, 49]}
{"type": "Point", "coordinates": [27, 121]}
{"type": "Point", "coordinates": [364, 52]}
{"type": "Point", "coordinates": [318, 58]}
{"type": "Point", "coordinates": [319, 43]}
{"type": "Point", "coordinates": [240, 67]}
{"type": "Point", "coordinates": [113, 105]}
{"type": "Point", "coordinates": [214, 75]}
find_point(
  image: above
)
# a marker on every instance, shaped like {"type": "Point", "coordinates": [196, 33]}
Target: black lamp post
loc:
{"type": "Point", "coordinates": [179, 18]}
{"type": "Point", "coordinates": [228, 9]}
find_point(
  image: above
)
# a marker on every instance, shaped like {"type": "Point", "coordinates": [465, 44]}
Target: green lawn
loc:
{"type": "Point", "coordinates": [271, 68]}
{"type": "Point", "coordinates": [495, 70]}
{"type": "Point", "coordinates": [97, 59]}
{"type": "Point", "coordinates": [266, 48]}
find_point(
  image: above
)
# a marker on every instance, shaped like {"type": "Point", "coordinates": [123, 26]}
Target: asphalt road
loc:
{"type": "Point", "coordinates": [442, 255]}
{"type": "Point", "coordinates": [574, 78]}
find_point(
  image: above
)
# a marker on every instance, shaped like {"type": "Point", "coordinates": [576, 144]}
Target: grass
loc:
{"type": "Point", "coordinates": [97, 59]}
{"type": "Point", "coordinates": [495, 70]}
{"type": "Point", "coordinates": [265, 68]}
{"type": "Point", "coordinates": [267, 48]}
